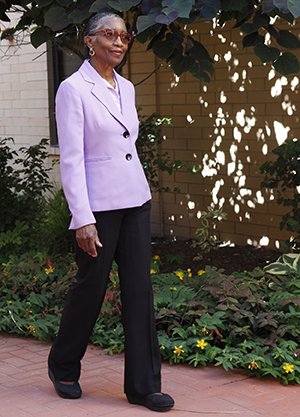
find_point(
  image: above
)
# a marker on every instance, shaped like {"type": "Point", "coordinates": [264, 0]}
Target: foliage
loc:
{"type": "Point", "coordinates": [33, 290]}
{"type": "Point", "coordinates": [285, 264]}
{"type": "Point", "coordinates": [283, 174]}
{"type": "Point", "coordinates": [148, 147]}
{"type": "Point", "coordinates": [209, 221]}
{"type": "Point", "coordinates": [56, 221]}
{"type": "Point", "coordinates": [23, 181]}
{"type": "Point", "coordinates": [161, 22]}
{"type": "Point", "coordinates": [248, 320]}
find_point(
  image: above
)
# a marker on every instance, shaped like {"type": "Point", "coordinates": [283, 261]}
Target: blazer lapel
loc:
{"type": "Point", "coordinates": [99, 90]}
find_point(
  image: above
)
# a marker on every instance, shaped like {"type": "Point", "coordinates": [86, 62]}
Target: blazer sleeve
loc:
{"type": "Point", "coordinates": [70, 127]}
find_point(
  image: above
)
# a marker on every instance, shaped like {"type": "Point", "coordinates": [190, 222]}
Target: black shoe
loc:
{"type": "Point", "coordinates": [155, 402]}
{"type": "Point", "coordinates": [65, 390]}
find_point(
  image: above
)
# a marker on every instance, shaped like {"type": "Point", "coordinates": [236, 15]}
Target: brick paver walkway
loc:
{"type": "Point", "coordinates": [26, 391]}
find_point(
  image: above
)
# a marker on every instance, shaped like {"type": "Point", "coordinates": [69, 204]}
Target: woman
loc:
{"type": "Point", "coordinates": [109, 199]}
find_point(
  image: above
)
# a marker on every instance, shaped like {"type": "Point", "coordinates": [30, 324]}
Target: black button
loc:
{"type": "Point", "coordinates": [128, 157]}
{"type": "Point", "coordinates": [126, 134]}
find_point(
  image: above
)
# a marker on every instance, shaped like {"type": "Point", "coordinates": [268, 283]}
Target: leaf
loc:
{"type": "Point", "coordinates": [65, 3]}
{"type": "Point", "coordinates": [181, 64]}
{"type": "Point", "coordinates": [282, 5]}
{"type": "Point", "coordinates": [287, 64]}
{"type": "Point", "coordinates": [182, 7]}
{"type": "Point", "coordinates": [277, 268]}
{"type": "Point", "coordinates": [167, 19]}
{"type": "Point", "coordinates": [228, 5]}
{"type": "Point", "coordinates": [40, 36]}
{"type": "Point", "coordinates": [252, 39]}
{"type": "Point", "coordinates": [43, 3]}
{"type": "Point", "coordinates": [268, 6]}
{"type": "Point", "coordinates": [266, 53]}
{"type": "Point", "coordinates": [144, 22]}
{"type": "Point", "coordinates": [288, 40]}
{"type": "Point", "coordinates": [198, 51]}
{"type": "Point", "coordinates": [209, 9]}
{"type": "Point", "coordinates": [78, 16]}
{"type": "Point", "coordinates": [56, 19]}
{"type": "Point", "coordinates": [289, 300]}
{"type": "Point", "coordinates": [121, 5]}
{"type": "Point", "coordinates": [294, 7]}
{"type": "Point", "coordinates": [99, 5]}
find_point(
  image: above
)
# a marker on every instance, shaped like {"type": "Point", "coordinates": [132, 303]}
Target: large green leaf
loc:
{"type": "Point", "coordinates": [294, 7]}
{"type": "Point", "coordinates": [208, 66]}
{"type": "Point", "coordinates": [122, 5]}
{"type": "Point", "coordinates": [163, 49]}
{"type": "Point", "coordinates": [65, 3]}
{"type": "Point", "coordinates": [56, 18]}
{"type": "Point", "coordinates": [183, 7]}
{"type": "Point", "coordinates": [43, 3]}
{"type": "Point", "coordinates": [287, 64]}
{"type": "Point", "coordinates": [277, 268]}
{"type": "Point", "coordinates": [78, 16]}
{"type": "Point", "coordinates": [144, 22]}
{"type": "Point", "coordinates": [198, 51]}
{"type": "Point", "coordinates": [99, 5]}
{"type": "Point", "coordinates": [266, 53]}
{"type": "Point", "coordinates": [288, 40]}
{"type": "Point", "coordinates": [200, 75]}
{"type": "Point", "coordinates": [252, 39]}
{"type": "Point", "coordinates": [181, 64]}
{"type": "Point", "coordinates": [228, 5]}
{"type": "Point", "coordinates": [40, 36]}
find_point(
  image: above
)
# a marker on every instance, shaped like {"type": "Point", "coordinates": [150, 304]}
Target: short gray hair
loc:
{"type": "Point", "coordinates": [98, 20]}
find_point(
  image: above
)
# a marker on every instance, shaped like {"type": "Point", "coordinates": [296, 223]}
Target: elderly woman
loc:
{"type": "Point", "coordinates": [109, 200]}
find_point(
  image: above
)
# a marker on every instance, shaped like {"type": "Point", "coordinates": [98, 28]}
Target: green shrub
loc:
{"type": "Point", "coordinates": [283, 175]}
{"type": "Point", "coordinates": [23, 181]}
{"type": "Point", "coordinates": [248, 320]}
{"type": "Point", "coordinates": [148, 142]}
{"type": "Point", "coordinates": [57, 237]}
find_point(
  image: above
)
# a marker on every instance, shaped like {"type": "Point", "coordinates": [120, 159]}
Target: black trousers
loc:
{"type": "Point", "coordinates": [125, 235]}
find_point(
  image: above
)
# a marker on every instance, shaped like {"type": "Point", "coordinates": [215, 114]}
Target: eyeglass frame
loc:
{"type": "Point", "coordinates": [114, 31]}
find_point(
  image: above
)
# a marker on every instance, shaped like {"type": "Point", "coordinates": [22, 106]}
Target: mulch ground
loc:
{"type": "Point", "coordinates": [231, 259]}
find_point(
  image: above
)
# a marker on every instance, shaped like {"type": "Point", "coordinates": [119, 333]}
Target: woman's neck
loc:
{"type": "Point", "coordinates": [106, 73]}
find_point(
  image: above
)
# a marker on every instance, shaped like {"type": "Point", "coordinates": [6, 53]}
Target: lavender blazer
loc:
{"type": "Point", "coordinates": [100, 167]}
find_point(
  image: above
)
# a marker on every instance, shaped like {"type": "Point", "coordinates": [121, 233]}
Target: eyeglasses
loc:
{"type": "Point", "coordinates": [112, 35]}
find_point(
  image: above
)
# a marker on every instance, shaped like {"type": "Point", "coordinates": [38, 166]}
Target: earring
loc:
{"type": "Point", "coordinates": [92, 51]}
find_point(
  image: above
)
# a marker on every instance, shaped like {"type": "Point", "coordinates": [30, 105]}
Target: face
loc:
{"type": "Point", "coordinates": [108, 53]}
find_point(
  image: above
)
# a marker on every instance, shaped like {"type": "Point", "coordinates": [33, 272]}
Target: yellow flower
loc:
{"type": "Point", "coordinates": [189, 272]}
{"type": "Point", "coordinates": [201, 343]}
{"type": "Point", "coordinates": [288, 368]}
{"type": "Point", "coordinates": [38, 279]}
{"type": "Point", "coordinates": [156, 257]}
{"type": "Point", "coordinates": [178, 350]}
{"type": "Point", "coordinates": [180, 274]}
{"type": "Point", "coordinates": [204, 331]}
{"type": "Point", "coordinates": [173, 288]}
{"type": "Point", "coordinates": [28, 312]}
{"type": "Point", "coordinates": [201, 272]}
{"type": "Point", "coordinates": [253, 365]}
{"type": "Point", "coordinates": [152, 271]}
{"type": "Point", "coordinates": [49, 270]}
{"type": "Point", "coordinates": [31, 329]}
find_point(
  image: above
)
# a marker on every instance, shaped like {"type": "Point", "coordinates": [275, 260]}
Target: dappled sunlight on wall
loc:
{"type": "Point", "coordinates": [228, 128]}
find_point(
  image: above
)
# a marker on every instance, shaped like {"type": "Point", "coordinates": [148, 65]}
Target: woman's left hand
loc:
{"type": "Point", "coordinates": [87, 239]}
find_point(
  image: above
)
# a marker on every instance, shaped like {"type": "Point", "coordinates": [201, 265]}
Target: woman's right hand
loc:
{"type": "Point", "coordinates": [87, 239]}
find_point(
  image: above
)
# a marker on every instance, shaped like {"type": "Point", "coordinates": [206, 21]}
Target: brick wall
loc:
{"type": "Point", "coordinates": [229, 127]}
